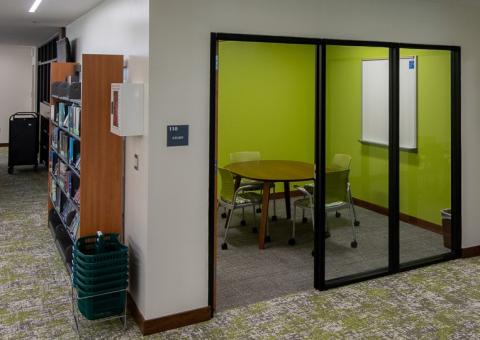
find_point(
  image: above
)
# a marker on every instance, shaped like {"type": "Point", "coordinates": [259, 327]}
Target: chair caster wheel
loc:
{"type": "Point", "coordinates": [224, 246]}
{"type": "Point", "coordinates": [224, 215]}
{"type": "Point", "coordinates": [254, 230]}
{"type": "Point", "coordinates": [356, 223]}
{"type": "Point", "coordinates": [291, 242]}
{"type": "Point", "coordinates": [242, 222]}
{"type": "Point", "coordinates": [268, 239]}
{"type": "Point", "coordinates": [274, 218]}
{"type": "Point", "coordinates": [313, 253]}
{"type": "Point", "coordinates": [354, 244]}
{"type": "Point", "coordinates": [337, 214]}
{"type": "Point", "coordinates": [304, 220]}
{"type": "Point", "coordinates": [259, 210]}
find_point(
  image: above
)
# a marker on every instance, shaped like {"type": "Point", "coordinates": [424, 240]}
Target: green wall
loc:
{"type": "Point", "coordinates": [424, 175]}
{"type": "Point", "coordinates": [266, 100]}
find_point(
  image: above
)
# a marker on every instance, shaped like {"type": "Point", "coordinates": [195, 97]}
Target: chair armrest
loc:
{"type": "Point", "coordinates": [247, 187]}
{"type": "Point", "coordinates": [303, 190]}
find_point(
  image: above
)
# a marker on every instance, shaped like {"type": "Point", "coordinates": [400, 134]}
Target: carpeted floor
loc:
{"type": "Point", "coordinates": [247, 275]}
{"type": "Point", "coordinates": [437, 302]}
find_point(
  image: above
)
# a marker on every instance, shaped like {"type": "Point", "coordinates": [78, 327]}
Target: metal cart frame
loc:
{"type": "Point", "coordinates": [77, 315]}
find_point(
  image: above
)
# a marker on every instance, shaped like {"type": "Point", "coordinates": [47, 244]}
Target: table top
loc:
{"type": "Point", "coordinates": [273, 170]}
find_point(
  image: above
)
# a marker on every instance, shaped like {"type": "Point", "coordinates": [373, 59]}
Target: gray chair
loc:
{"type": "Point", "coordinates": [337, 197]}
{"type": "Point", "coordinates": [245, 156]}
{"type": "Point", "coordinates": [232, 199]}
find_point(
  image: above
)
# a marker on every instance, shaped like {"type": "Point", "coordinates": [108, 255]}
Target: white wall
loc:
{"type": "Point", "coordinates": [17, 85]}
{"type": "Point", "coordinates": [179, 83]}
{"type": "Point", "coordinates": [121, 27]}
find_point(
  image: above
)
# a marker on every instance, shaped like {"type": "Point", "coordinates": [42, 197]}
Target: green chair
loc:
{"type": "Point", "coordinates": [246, 156]}
{"type": "Point", "coordinates": [339, 162]}
{"type": "Point", "coordinates": [232, 199]}
{"type": "Point", "coordinates": [337, 197]}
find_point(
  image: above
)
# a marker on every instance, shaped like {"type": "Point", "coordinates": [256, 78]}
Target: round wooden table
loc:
{"type": "Point", "coordinates": [270, 171]}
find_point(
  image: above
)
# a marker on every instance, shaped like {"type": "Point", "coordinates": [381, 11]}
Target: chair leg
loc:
{"type": "Point", "coordinates": [354, 243]}
{"type": "Point", "coordinates": [224, 244]}
{"type": "Point", "coordinates": [304, 219]}
{"type": "Point", "coordinates": [357, 222]}
{"type": "Point", "coordinates": [224, 214]}
{"type": "Point", "coordinates": [243, 222]}
{"type": "Point", "coordinates": [292, 239]}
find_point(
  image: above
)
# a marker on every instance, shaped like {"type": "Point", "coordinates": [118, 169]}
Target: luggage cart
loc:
{"type": "Point", "coordinates": [23, 140]}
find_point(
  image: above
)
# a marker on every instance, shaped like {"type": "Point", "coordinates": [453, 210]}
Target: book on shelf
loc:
{"type": "Point", "coordinates": [63, 144]}
{"type": "Point", "coordinates": [53, 192]}
{"type": "Point", "coordinates": [71, 149]}
{"type": "Point", "coordinates": [75, 224]}
{"type": "Point", "coordinates": [61, 113]}
{"type": "Point", "coordinates": [53, 113]}
{"type": "Point", "coordinates": [55, 137]}
{"type": "Point", "coordinates": [77, 163]}
{"type": "Point", "coordinates": [74, 119]}
{"type": "Point", "coordinates": [76, 197]}
{"type": "Point", "coordinates": [68, 208]}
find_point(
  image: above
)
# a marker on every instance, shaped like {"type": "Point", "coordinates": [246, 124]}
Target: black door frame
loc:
{"type": "Point", "coordinates": [394, 265]}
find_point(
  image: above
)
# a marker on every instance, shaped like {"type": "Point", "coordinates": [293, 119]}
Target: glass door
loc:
{"type": "Point", "coordinates": [356, 160]}
{"type": "Point", "coordinates": [425, 154]}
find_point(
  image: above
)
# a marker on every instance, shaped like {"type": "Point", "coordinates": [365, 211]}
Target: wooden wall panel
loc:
{"type": "Point", "coordinates": [102, 152]}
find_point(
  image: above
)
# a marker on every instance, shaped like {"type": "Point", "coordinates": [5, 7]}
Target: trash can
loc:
{"type": "Point", "coordinates": [447, 227]}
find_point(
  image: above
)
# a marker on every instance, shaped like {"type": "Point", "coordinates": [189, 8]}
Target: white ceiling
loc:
{"type": "Point", "coordinates": [19, 27]}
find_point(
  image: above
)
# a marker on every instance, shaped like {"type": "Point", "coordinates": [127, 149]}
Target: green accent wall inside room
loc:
{"type": "Point", "coordinates": [266, 100]}
{"type": "Point", "coordinates": [425, 174]}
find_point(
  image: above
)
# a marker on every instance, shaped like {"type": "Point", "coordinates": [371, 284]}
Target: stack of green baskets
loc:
{"type": "Point", "coordinates": [100, 275]}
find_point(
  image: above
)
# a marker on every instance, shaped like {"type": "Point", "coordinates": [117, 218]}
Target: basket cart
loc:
{"type": "Point", "coordinates": [23, 140]}
{"type": "Point", "coordinates": [99, 279]}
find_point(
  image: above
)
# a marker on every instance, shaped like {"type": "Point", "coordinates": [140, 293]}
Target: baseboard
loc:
{"type": "Point", "coordinates": [471, 252]}
{"type": "Point", "coordinates": [168, 322]}
{"type": "Point", "coordinates": [3, 145]}
{"type": "Point", "coordinates": [436, 228]}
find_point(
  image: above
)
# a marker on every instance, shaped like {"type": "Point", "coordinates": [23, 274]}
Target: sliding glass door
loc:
{"type": "Point", "coordinates": [389, 197]}
{"type": "Point", "coordinates": [425, 154]}
{"type": "Point", "coordinates": [357, 160]}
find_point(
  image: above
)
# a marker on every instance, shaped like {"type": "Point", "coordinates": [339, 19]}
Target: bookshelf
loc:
{"type": "Point", "coordinates": [85, 159]}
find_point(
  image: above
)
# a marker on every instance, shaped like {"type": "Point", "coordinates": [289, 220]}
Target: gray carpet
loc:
{"type": "Point", "coordinates": [247, 275]}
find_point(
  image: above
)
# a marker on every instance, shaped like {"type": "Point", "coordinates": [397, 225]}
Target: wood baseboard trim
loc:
{"type": "Point", "coordinates": [148, 327]}
{"type": "Point", "coordinates": [3, 145]}
{"type": "Point", "coordinates": [471, 252]}
{"type": "Point", "coordinates": [403, 217]}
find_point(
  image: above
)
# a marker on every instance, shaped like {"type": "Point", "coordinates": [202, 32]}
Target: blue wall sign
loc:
{"type": "Point", "coordinates": [177, 135]}
{"type": "Point", "coordinates": [411, 65]}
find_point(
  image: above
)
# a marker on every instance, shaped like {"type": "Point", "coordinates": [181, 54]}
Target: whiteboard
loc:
{"type": "Point", "coordinates": [375, 102]}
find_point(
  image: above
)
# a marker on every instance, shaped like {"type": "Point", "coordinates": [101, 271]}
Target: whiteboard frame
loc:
{"type": "Point", "coordinates": [367, 142]}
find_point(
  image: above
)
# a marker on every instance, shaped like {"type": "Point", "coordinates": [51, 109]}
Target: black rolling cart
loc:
{"type": "Point", "coordinates": [23, 140]}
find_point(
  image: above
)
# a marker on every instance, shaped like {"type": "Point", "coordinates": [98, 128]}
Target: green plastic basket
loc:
{"type": "Point", "coordinates": [101, 265]}
{"type": "Point", "coordinates": [99, 248]}
{"type": "Point", "coordinates": [102, 270]}
{"type": "Point", "coordinates": [99, 279]}
{"type": "Point", "coordinates": [100, 288]}
{"type": "Point", "coordinates": [101, 306]}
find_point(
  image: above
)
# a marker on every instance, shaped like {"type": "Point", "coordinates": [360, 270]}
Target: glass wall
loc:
{"type": "Point", "coordinates": [425, 154]}
{"type": "Point", "coordinates": [356, 183]}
